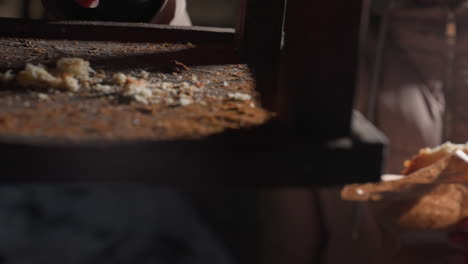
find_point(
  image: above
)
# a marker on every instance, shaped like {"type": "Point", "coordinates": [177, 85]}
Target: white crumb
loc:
{"type": "Point", "coordinates": [37, 75]}
{"type": "Point", "coordinates": [8, 76]}
{"type": "Point", "coordinates": [144, 74]}
{"type": "Point", "coordinates": [43, 96]}
{"type": "Point", "coordinates": [138, 90]}
{"type": "Point", "coordinates": [169, 101]}
{"type": "Point", "coordinates": [77, 67]}
{"type": "Point", "coordinates": [239, 96]}
{"type": "Point", "coordinates": [120, 78]}
{"type": "Point", "coordinates": [166, 85]}
{"type": "Point", "coordinates": [70, 83]}
{"type": "Point", "coordinates": [184, 101]}
{"type": "Point", "coordinates": [103, 88]}
{"type": "Point", "coordinates": [185, 85]}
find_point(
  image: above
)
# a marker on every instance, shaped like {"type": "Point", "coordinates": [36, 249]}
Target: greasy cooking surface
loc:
{"type": "Point", "coordinates": [83, 116]}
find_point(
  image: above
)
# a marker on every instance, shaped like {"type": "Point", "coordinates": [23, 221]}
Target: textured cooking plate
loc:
{"type": "Point", "coordinates": [89, 116]}
{"type": "Point", "coordinates": [83, 116]}
{"type": "Point", "coordinates": [87, 136]}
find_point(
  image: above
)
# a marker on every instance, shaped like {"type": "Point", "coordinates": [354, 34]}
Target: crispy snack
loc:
{"type": "Point", "coordinates": [433, 194]}
{"type": "Point", "coordinates": [428, 156]}
{"type": "Point", "coordinates": [65, 77]}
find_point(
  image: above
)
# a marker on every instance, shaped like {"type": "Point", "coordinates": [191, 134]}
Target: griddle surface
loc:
{"type": "Point", "coordinates": [83, 116]}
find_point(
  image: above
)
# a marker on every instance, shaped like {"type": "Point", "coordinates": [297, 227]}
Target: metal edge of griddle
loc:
{"type": "Point", "coordinates": [114, 31]}
{"type": "Point", "coordinates": [178, 162]}
{"type": "Point", "coordinates": [249, 158]}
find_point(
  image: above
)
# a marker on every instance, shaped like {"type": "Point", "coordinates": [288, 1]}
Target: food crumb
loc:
{"type": "Point", "coordinates": [138, 90]}
{"type": "Point", "coordinates": [37, 75]}
{"type": "Point", "coordinates": [103, 88]}
{"type": "Point", "coordinates": [120, 78]}
{"type": "Point", "coordinates": [77, 67]}
{"type": "Point", "coordinates": [144, 74]}
{"type": "Point", "coordinates": [70, 83]}
{"type": "Point", "coordinates": [179, 67]}
{"type": "Point", "coordinates": [239, 96]}
{"type": "Point", "coordinates": [169, 101]}
{"type": "Point", "coordinates": [8, 76]}
{"type": "Point", "coordinates": [42, 96]}
{"type": "Point", "coordinates": [185, 101]}
{"type": "Point", "coordinates": [72, 73]}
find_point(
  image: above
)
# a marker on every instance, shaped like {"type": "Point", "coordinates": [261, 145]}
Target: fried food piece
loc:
{"type": "Point", "coordinates": [428, 156]}
{"type": "Point", "coordinates": [441, 207]}
{"type": "Point", "coordinates": [433, 194]}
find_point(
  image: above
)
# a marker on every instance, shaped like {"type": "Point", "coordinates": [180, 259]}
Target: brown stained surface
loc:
{"type": "Point", "coordinates": [84, 116]}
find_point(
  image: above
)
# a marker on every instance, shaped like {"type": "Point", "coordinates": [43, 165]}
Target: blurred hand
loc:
{"type": "Point", "coordinates": [88, 3]}
{"type": "Point", "coordinates": [96, 10]}
{"type": "Point", "coordinates": [171, 12]}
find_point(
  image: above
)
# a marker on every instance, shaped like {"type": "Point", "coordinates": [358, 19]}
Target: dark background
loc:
{"type": "Point", "coordinates": [203, 12]}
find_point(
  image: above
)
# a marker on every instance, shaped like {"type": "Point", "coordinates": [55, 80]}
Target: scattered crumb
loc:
{"type": "Point", "coordinates": [120, 78]}
{"type": "Point", "coordinates": [8, 76]}
{"type": "Point", "coordinates": [239, 96]}
{"type": "Point", "coordinates": [71, 74]}
{"type": "Point", "coordinates": [43, 96]}
{"type": "Point", "coordinates": [70, 83]}
{"type": "Point", "coordinates": [37, 75]}
{"type": "Point", "coordinates": [166, 85]}
{"type": "Point", "coordinates": [138, 90]}
{"type": "Point", "coordinates": [103, 88]}
{"type": "Point", "coordinates": [169, 101]}
{"type": "Point", "coordinates": [179, 67]}
{"type": "Point", "coordinates": [67, 75]}
{"type": "Point", "coordinates": [184, 101]}
{"type": "Point", "coordinates": [77, 67]}
{"type": "Point", "coordinates": [144, 74]}
{"type": "Point", "coordinates": [101, 74]}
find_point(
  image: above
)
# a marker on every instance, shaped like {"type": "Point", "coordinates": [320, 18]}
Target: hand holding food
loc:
{"type": "Point", "coordinates": [432, 195]}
